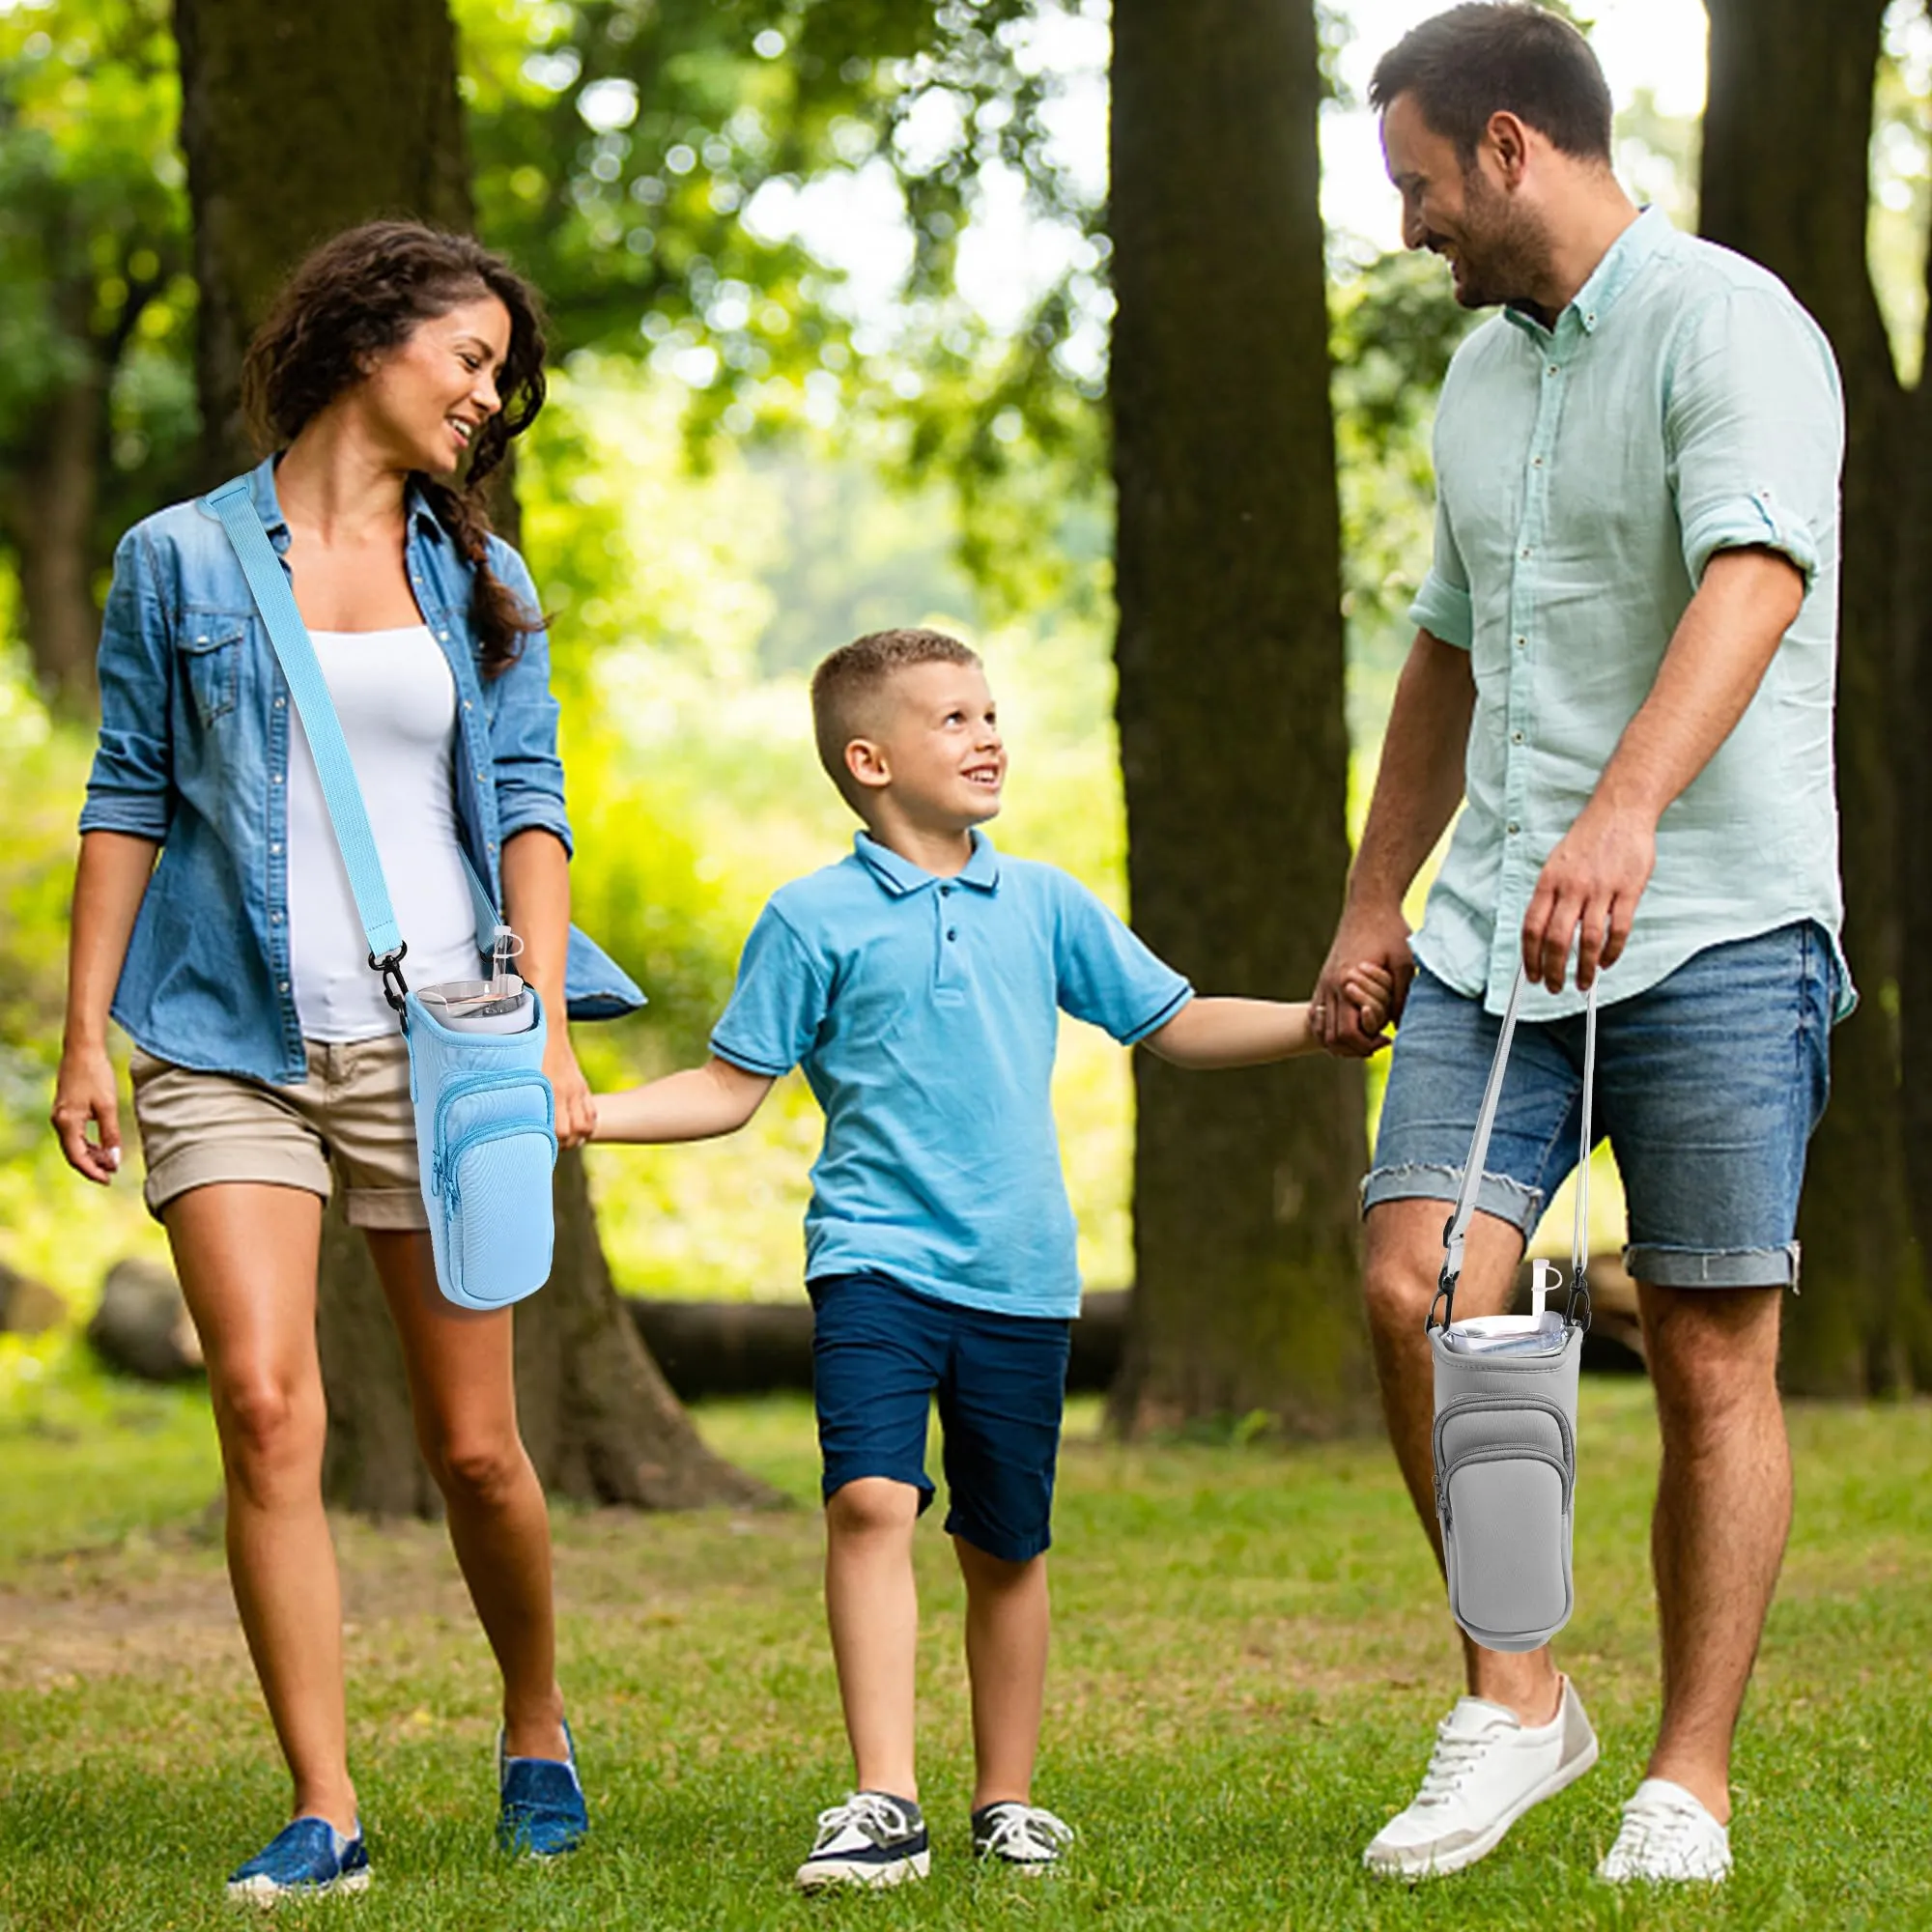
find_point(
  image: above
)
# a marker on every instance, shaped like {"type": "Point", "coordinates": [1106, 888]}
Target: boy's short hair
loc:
{"type": "Point", "coordinates": [1500, 56]}
{"type": "Point", "coordinates": [847, 687]}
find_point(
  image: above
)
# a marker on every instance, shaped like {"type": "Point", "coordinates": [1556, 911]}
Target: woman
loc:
{"type": "Point", "coordinates": [396, 359]}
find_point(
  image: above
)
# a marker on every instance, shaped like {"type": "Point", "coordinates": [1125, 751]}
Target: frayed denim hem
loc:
{"type": "Point", "coordinates": [1501, 1195]}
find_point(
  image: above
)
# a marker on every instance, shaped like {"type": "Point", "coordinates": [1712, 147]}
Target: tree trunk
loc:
{"type": "Point", "coordinates": [297, 122]}
{"type": "Point", "coordinates": [46, 514]}
{"type": "Point", "coordinates": [1911, 725]}
{"type": "Point", "coordinates": [1787, 134]}
{"type": "Point", "coordinates": [1232, 737]}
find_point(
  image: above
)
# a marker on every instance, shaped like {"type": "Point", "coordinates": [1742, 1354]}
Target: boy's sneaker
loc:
{"type": "Point", "coordinates": [872, 1839]}
{"type": "Point", "coordinates": [542, 1813]}
{"type": "Point", "coordinates": [1022, 1836]}
{"type": "Point", "coordinates": [1667, 1838]}
{"type": "Point", "coordinates": [1486, 1769]}
{"type": "Point", "coordinates": [308, 1857]}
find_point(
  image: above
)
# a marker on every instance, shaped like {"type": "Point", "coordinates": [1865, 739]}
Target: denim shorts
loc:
{"type": "Point", "coordinates": [880, 1353]}
{"type": "Point", "coordinates": [1707, 1087]}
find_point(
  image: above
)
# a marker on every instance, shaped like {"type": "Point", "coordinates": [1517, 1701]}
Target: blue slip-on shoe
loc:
{"type": "Point", "coordinates": [542, 1812]}
{"type": "Point", "coordinates": [308, 1857]}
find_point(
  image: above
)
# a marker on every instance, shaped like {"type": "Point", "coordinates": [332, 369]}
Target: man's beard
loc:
{"type": "Point", "coordinates": [1503, 253]}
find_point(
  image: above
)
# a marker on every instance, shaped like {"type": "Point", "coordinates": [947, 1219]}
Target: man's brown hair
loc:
{"type": "Point", "coordinates": [847, 687]}
{"type": "Point", "coordinates": [1500, 56]}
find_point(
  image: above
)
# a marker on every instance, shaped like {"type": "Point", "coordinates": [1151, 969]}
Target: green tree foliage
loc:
{"type": "Point", "coordinates": [97, 409]}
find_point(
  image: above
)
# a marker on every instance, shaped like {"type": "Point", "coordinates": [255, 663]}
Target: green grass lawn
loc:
{"type": "Point", "coordinates": [1250, 1655]}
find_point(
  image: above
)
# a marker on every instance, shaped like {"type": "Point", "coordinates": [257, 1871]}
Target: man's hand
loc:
{"type": "Point", "coordinates": [1369, 935]}
{"type": "Point", "coordinates": [1589, 887]}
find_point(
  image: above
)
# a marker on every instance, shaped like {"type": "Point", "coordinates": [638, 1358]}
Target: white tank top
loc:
{"type": "Point", "coordinates": [396, 698]}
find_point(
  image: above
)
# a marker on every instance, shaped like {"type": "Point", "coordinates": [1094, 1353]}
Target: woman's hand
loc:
{"type": "Point", "coordinates": [85, 1094]}
{"type": "Point", "coordinates": [575, 1108]}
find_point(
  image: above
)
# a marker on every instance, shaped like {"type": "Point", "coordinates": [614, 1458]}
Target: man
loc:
{"type": "Point", "coordinates": [1624, 664]}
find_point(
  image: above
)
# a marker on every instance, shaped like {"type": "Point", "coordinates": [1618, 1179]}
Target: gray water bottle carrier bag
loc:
{"type": "Point", "coordinates": [1505, 1436]}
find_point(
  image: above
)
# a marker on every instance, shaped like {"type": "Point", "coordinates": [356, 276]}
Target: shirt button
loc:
{"type": "Point", "coordinates": [281, 986]}
{"type": "Point", "coordinates": [1553, 370]}
{"type": "Point", "coordinates": [1525, 551]}
{"type": "Point", "coordinates": [946, 891]}
{"type": "Point", "coordinates": [1522, 643]}
{"type": "Point", "coordinates": [274, 919]}
{"type": "Point", "coordinates": [275, 851]}
{"type": "Point", "coordinates": [1513, 828]}
{"type": "Point", "coordinates": [952, 932]}
{"type": "Point", "coordinates": [280, 702]}
{"type": "Point", "coordinates": [1536, 461]}
{"type": "Point", "coordinates": [276, 779]}
{"type": "Point", "coordinates": [1516, 737]}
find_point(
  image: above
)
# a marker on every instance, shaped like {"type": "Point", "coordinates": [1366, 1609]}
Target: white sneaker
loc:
{"type": "Point", "coordinates": [1667, 1838]}
{"type": "Point", "coordinates": [872, 1840]}
{"type": "Point", "coordinates": [1486, 1769]}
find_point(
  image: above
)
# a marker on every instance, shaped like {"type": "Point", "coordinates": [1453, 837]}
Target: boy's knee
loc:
{"type": "Point", "coordinates": [872, 1506]}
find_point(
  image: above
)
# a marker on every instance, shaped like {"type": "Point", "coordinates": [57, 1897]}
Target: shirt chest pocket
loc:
{"type": "Point", "coordinates": [210, 649]}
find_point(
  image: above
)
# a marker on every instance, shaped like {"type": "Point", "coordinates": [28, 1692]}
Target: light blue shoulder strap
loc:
{"type": "Point", "coordinates": [234, 504]}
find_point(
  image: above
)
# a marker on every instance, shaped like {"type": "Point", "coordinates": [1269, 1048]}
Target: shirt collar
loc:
{"type": "Point", "coordinates": [901, 877]}
{"type": "Point", "coordinates": [269, 506]}
{"type": "Point", "coordinates": [1610, 279]}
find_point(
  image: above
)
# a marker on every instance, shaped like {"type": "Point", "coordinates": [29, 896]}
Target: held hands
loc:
{"type": "Point", "coordinates": [1587, 895]}
{"type": "Point", "coordinates": [84, 1095]}
{"type": "Point", "coordinates": [1363, 984]}
{"type": "Point", "coordinates": [575, 1108]}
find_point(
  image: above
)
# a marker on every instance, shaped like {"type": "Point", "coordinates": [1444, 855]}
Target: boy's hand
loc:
{"type": "Point", "coordinates": [1370, 991]}
{"type": "Point", "coordinates": [1372, 932]}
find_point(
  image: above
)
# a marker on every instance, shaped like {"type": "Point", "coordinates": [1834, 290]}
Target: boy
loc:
{"type": "Point", "coordinates": [920, 983]}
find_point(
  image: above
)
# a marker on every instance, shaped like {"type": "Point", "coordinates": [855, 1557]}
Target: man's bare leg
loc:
{"type": "Point", "coordinates": [1404, 1261]}
{"type": "Point", "coordinates": [1723, 1511]}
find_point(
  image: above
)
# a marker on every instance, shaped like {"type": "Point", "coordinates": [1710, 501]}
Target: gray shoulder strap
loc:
{"type": "Point", "coordinates": [1456, 1233]}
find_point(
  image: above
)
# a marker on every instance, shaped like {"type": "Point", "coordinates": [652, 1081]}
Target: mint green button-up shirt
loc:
{"type": "Point", "coordinates": [1683, 404]}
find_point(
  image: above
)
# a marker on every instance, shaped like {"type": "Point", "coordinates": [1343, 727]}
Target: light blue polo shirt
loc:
{"type": "Point", "coordinates": [926, 1014]}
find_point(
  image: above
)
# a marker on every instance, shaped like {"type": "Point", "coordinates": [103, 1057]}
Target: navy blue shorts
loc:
{"type": "Point", "coordinates": [880, 1353]}
{"type": "Point", "coordinates": [1708, 1085]}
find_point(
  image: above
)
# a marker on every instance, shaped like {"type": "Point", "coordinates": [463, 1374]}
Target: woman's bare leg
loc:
{"type": "Point", "coordinates": [246, 1256]}
{"type": "Point", "coordinates": [463, 1386]}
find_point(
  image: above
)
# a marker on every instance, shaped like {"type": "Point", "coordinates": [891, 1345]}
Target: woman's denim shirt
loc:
{"type": "Point", "coordinates": [195, 719]}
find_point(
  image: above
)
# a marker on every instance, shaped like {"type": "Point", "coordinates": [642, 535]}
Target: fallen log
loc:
{"type": "Point", "coordinates": [755, 1348]}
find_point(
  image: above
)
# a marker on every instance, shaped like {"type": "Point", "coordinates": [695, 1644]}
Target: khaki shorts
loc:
{"type": "Point", "coordinates": [353, 1111]}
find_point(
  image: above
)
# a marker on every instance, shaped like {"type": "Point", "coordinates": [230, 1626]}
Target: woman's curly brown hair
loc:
{"type": "Point", "coordinates": [360, 294]}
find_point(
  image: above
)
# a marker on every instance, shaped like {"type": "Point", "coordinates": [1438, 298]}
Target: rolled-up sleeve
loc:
{"type": "Point", "coordinates": [523, 736]}
{"type": "Point", "coordinates": [132, 787]}
{"type": "Point", "coordinates": [1443, 606]}
{"type": "Point", "coordinates": [1754, 430]}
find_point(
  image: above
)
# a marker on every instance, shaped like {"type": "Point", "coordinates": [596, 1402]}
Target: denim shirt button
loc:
{"type": "Point", "coordinates": [281, 704]}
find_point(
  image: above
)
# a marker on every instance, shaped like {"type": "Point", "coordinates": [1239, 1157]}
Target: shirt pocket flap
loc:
{"type": "Point", "coordinates": [210, 646]}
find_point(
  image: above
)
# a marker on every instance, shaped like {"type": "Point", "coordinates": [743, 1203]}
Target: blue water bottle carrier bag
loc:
{"type": "Point", "coordinates": [486, 1118]}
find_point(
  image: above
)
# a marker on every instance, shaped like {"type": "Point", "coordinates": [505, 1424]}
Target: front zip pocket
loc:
{"type": "Point", "coordinates": [458, 1110]}
{"type": "Point", "coordinates": [1505, 1479]}
{"type": "Point", "coordinates": [496, 1223]}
